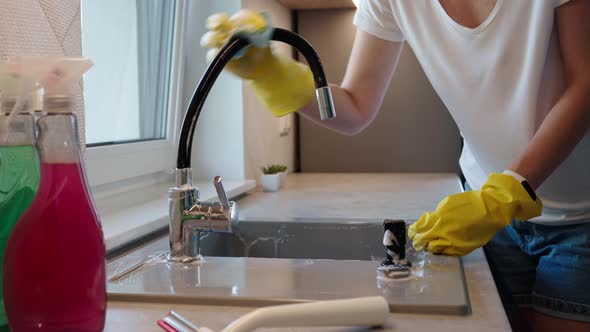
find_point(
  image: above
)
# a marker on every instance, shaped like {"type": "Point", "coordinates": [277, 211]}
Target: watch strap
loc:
{"type": "Point", "coordinates": [523, 182]}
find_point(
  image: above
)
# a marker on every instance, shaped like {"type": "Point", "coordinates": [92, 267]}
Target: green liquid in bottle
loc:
{"type": "Point", "coordinates": [19, 180]}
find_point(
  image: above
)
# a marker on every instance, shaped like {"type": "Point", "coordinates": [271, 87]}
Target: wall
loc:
{"type": "Point", "coordinates": [218, 147]}
{"type": "Point", "coordinates": [413, 131]}
{"type": "Point", "coordinates": [263, 144]}
{"type": "Point", "coordinates": [111, 88]}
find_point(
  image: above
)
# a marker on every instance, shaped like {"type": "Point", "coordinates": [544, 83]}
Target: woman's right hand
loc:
{"type": "Point", "coordinates": [283, 84]}
{"type": "Point", "coordinates": [250, 24]}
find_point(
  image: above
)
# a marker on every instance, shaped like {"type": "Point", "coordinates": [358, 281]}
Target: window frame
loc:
{"type": "Point", "coordinates": [107, 164]}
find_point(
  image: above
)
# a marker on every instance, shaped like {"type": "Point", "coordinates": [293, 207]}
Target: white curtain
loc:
{"type": "Point", "coordinates": [155, 19]}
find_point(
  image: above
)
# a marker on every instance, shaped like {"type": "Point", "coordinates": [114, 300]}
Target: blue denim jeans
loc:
{"type": "Point", "coordinates": [546, 268]}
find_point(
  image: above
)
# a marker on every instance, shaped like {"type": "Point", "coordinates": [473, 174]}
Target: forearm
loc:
{"type": "Point", "coordinates": [562, 129]}
{"type": "Point", "coordinates": [569, 120]}
{"type": "Point", "coordinates": [349, 120]}
{"type": "Point", "coordinates": [358, 98]}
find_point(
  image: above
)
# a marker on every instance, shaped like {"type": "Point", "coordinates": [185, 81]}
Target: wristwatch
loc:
{"type": "Point", "coordinates": [523, 182]}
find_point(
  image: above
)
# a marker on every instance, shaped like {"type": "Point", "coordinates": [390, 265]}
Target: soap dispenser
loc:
{"type": "Point", "coordinates": [19, 162]}
{"type": "Point", "coordinates": [54, 267]}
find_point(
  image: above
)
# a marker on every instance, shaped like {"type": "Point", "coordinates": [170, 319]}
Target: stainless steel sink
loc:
{"type": "Point", "coordinates": [272, 262]}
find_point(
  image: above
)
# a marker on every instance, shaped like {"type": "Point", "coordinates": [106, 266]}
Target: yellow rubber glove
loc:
{"type": "Point", "coordinates": [464, 222]}
{"type": "Point", "coordinates": [283, 84]}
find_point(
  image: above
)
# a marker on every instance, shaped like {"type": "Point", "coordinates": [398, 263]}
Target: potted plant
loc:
{"type": "Point", "coordinates": [271, 177]}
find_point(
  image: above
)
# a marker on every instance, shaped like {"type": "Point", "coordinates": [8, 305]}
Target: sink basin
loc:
{"type": "Point", "coordinates": [298, 240]}
{"type": "Point", "coordinates": [276, 262]}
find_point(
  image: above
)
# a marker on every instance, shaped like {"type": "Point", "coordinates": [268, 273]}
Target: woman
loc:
{"type": "Point", "coordinates": [515, 76]}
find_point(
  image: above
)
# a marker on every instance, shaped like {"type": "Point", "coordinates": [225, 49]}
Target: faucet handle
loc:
{"type": "Point", "coordinates": [221, 193]}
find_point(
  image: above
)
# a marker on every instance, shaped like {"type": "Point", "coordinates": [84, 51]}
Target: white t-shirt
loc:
{"type": "Point", "coordinates": [498, 80]}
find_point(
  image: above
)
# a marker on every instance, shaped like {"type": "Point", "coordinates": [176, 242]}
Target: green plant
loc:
{"type": "Point", "coordinates": [274, 169]}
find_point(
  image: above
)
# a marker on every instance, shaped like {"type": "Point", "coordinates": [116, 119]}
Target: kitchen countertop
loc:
{"type": "Point", "coordinates": [366, 196]}
{"type": "Point", "coordinates": [347, 195]}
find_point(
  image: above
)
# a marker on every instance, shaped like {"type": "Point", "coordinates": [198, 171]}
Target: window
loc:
{"type": "Point", "coordinates": [131, 95]}
{"type": "Point", "coordinates": [148, 61]}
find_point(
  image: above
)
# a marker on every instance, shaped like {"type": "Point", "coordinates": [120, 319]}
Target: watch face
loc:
{"type": "Point", "coordinates": [529, 190]}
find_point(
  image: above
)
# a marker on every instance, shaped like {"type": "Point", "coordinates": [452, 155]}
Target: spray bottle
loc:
{"type": "Point", "coordinates": [19, 161]}
{"type": "Point", "coordinates": [54, 267]}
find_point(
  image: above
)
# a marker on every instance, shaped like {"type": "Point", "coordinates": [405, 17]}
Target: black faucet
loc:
{"type": "Point", "coordinates": [187, 214]}
{"type": "Point", "coordinates": [235, 44]}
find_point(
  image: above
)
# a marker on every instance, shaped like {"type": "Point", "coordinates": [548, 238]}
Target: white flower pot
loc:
{"type": "Point", "coordinates": [270, 182]}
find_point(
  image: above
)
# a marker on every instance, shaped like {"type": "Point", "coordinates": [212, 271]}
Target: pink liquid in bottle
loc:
{"type": "Point", "coordinates": [54, 267]}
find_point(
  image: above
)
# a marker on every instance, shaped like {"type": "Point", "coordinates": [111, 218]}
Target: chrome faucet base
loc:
{"type": "Point", "coordinates": [189, 216]}
{"type": "Point", "coordinates": [183, 259]}
{"type": "Point", "coordinates": [184, 177]}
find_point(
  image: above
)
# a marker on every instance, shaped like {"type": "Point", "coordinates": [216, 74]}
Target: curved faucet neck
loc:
{"type": "Point", "coordinates": [235, 44]}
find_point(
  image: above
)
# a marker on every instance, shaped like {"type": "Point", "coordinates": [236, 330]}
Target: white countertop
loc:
{"type": "Point", "coordinates": [364, 196]}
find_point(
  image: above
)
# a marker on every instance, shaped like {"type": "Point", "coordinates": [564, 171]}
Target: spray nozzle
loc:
{"type": "Point", "coordinates": [55, 74]}
{"type": "Point", "coordinates": [16, 91]}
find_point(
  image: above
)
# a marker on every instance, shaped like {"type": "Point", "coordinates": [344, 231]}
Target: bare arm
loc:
{"type": "Point", "coordinates": [569, 120]}
{"type": "Point", "coordinates": [358, 98]}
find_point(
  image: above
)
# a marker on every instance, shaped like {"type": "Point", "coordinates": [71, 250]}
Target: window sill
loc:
{"type": "Point", "coordinates": [129, 215]}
